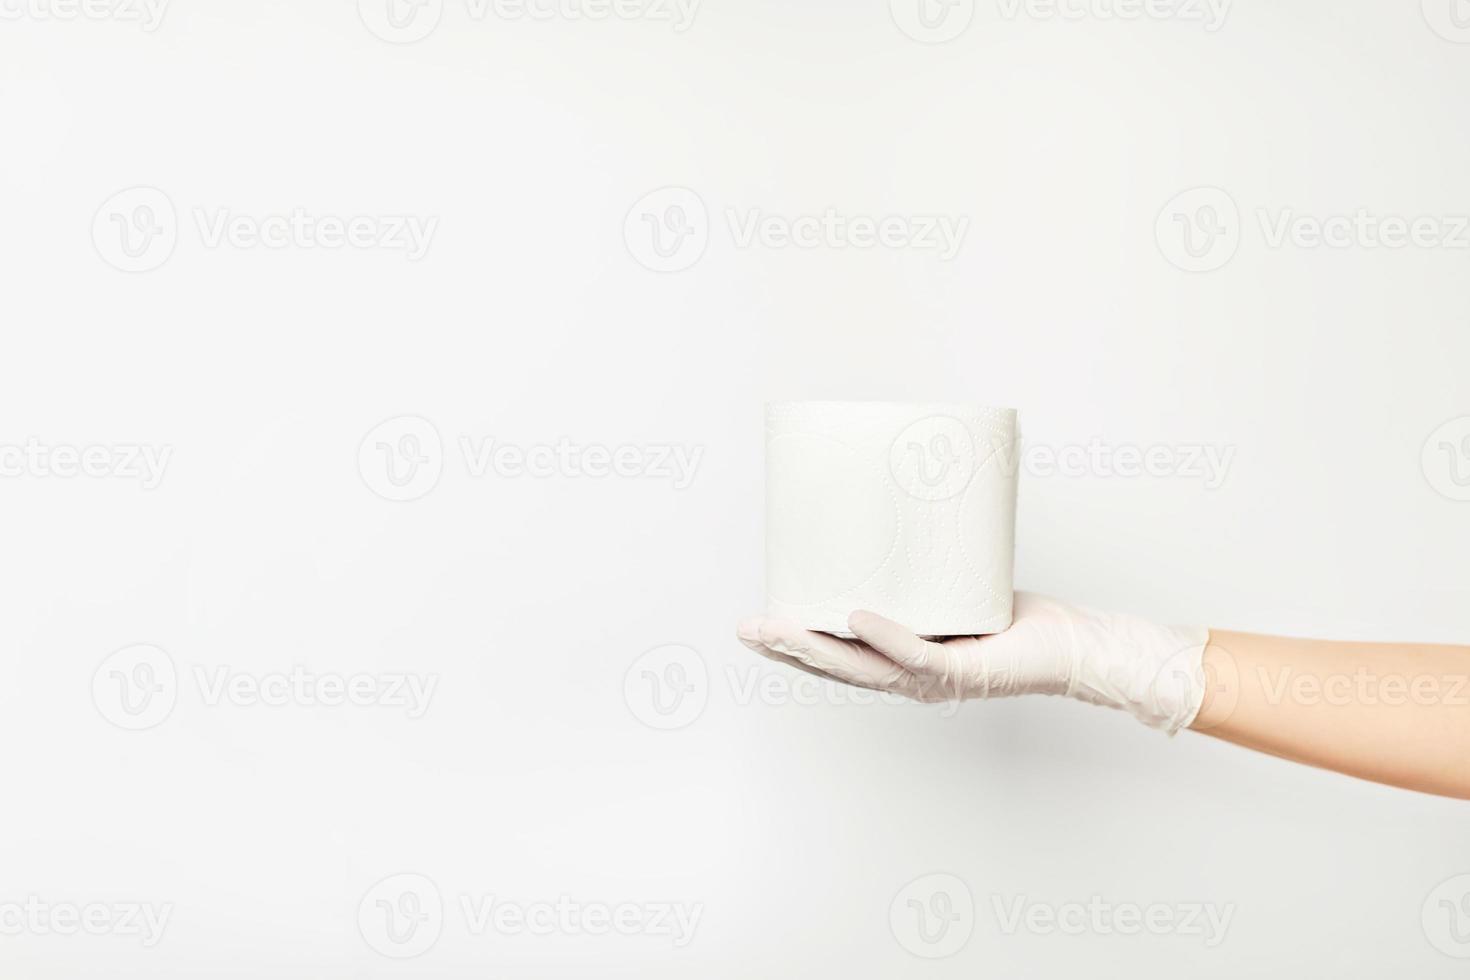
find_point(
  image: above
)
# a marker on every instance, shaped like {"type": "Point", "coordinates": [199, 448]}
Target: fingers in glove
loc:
{"type": "Point", "coordinates": [844, 660]}
{"type": "Point", "coordinates": [896, 642]}
{"type": "Point", "coordinates": [930, 663]}
{"type": "Point", "coordinates": [749, 635]}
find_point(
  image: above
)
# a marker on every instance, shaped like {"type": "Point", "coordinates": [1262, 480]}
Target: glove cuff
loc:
{"type": "Point", "coordinates": [1155, 673]}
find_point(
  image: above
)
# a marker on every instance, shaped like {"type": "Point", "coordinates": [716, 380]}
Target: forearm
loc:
{"type": "Point", "coordinates": [1392, 713]}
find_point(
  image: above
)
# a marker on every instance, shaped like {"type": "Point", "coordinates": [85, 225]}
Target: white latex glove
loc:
{"type": "Point", "coordinates": [1152, 672]}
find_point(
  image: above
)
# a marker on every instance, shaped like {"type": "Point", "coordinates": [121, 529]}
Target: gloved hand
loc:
{"type": "Point", "coordinates": [1153, 672]}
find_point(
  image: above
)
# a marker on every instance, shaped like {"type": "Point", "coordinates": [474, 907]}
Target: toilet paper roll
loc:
{"type": "Point", "coordinates": [908, 510]}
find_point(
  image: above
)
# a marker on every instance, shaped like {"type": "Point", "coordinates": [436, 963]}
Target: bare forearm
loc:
{"type": "Point", "coordinates": [1392, 713]}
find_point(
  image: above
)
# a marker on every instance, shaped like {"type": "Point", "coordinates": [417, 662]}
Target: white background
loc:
{"type": "Point", "coordinates": [795, 827]}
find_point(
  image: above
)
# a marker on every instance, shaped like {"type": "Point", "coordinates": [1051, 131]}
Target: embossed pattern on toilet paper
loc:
{"type": "Point", "coordinates": [907, 510]}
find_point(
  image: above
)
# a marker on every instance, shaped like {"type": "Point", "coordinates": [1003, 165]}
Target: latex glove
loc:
{"type": "Point", "coordinates": [1152, 672]}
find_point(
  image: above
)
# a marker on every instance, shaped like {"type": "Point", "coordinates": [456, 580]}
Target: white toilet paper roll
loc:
{"type": "Point", "coordinates": [908, 510]}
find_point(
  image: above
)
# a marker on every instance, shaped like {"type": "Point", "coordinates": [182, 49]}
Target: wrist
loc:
{"type": "Point", "coordinates": [1155, 673]}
